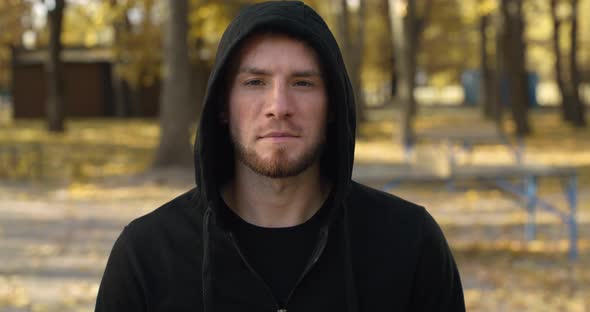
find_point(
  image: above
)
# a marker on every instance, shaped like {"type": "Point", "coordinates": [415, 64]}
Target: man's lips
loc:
{"type": "Point", "coordinates": [278, 135]}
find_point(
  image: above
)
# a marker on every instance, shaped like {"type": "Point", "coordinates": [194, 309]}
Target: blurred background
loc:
{"type": "Point", "coordinates": [476, 109]}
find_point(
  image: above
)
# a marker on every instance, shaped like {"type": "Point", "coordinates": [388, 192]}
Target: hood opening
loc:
{"type": "Point", "coordinates": [214, 155]}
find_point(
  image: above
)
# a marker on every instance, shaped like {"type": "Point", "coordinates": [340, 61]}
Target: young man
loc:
{"type": "Point", "coordinates": [275, 222]}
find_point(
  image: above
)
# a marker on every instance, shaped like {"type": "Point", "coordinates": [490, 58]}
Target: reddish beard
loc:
{"type": "Point", "coordinates": [279, 165]}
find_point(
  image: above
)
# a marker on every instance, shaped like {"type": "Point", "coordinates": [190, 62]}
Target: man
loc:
{"type": "Point", "coordinates": [275, 223]}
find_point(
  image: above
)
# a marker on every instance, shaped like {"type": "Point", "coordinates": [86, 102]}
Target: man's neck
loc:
{"type": "Point", "coordinates": [282, 202]}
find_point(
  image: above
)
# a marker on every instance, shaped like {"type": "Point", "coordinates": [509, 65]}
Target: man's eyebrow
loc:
{"type": "Point", "coordinates": [260, 71]}
{"type": "Point", "coordinates": [253, 70]}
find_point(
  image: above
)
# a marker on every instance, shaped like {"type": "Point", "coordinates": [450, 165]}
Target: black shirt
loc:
{"type": "Point", "coordinates": [278, 255]}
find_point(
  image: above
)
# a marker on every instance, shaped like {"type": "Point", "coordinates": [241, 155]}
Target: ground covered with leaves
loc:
{"type": "Point", "coordinates": [59, 218]}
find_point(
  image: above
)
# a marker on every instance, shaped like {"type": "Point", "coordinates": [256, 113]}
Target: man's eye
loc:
{"type": "Point", "coordinates": [303, 83]}
{"type": "Point", "coordinates": [254, 82]}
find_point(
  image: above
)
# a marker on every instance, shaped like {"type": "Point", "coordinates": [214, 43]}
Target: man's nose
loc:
{"type": "Point", "coordinates": [279, 104]}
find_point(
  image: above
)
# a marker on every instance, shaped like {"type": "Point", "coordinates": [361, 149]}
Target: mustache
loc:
{"type": "Point", "coordinates": [279, 128]}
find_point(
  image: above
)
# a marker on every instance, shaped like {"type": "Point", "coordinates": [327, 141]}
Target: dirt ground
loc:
{"type": "Point", "coordinates": [55, 242]}
{"type": "Point", "coordinates": [55, 237]}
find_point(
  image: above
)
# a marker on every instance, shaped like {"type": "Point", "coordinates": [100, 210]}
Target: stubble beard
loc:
{"type": "Point", "coordinates": [279, 165]}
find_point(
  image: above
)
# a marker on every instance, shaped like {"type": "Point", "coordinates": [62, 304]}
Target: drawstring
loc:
{"type": "Point", "coordinates": [351, 294]}
{"type": "Point", "coordinates": [205, 269]}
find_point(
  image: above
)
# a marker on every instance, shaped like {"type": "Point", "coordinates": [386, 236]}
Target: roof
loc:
{"type": "Point", "coordinates": [69, 55]}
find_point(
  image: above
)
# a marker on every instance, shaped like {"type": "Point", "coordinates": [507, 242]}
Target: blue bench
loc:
{"type": "Point", "coordinates": [519, 180]}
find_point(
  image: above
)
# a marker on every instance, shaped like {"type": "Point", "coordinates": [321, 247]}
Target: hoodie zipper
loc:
{"type": "Point", "coordinates": [234, 242]}
{"type": "Point", "coordinates": [318, 250]}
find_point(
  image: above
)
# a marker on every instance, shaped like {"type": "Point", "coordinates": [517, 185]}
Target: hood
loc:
{"type": "Point", "coordinates": [214, 156]}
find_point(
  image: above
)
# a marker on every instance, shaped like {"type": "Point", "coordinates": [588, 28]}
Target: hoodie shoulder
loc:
{"type": "Point", "coordinates": [179, 215]}
{"type": "Point", "coordinates": [378, 204]}
{"type": "Point", "coordinates": [162, 237]}
{"type": "Point", "coordinates": [152, 249]}
{"type": "Point", "coordinates": [387, 220]}
{"type": "Point", "coordinates": [403, 251]}
{"type": "Point", "coordinates": [179, 205]}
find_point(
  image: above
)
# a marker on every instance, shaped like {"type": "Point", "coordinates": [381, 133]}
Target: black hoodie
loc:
{"type": "Point", "coordinates": [374, 251]}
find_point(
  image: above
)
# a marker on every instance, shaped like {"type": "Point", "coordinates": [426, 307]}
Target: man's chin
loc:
{"type": "Point", "coordinates": [277, 167]}
{"type": "Point", "coordinates": [277, 163]}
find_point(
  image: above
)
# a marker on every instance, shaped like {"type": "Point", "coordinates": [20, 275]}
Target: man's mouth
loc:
{"type": "Point", "coordinates": [279, 136]}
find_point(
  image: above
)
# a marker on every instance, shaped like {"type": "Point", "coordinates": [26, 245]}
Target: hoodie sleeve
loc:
{"type": "Point", "coordinates": [120, 288]}
{"type": "Point", "coordinates": [437, 284]}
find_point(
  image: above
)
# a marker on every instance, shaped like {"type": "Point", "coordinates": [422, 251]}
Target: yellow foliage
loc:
{"type": "Point", "coordinates": [11, 26]}
{"type": "Point", "coordinates": [487, 7]}
{"type": "Point", "coordinates": [15, 297]}
{"type": "Point", "coordinates": [442, 78]}
{"type": "Point", "coordinates": [450, 41]}
{"type": "Point", "coordinates": [207, 23]}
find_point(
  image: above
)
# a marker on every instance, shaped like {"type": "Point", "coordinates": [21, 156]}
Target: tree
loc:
{"type": "Point", "coordinates": [389, 34]}
{"type": "Point", "coordinates": [137, 56]}
{"type": "Point", "coordinates": [175, 102]}
{"type": "Point", "coordinates": [571, 105]}
{"type": "Point", "coordinates": [357, 61]}
{"type": "Point", "coordinates": [353, 48]}
{"type": "Point", "coordinates": [488, 94]}
{"type": "Point", "coordinates": [13, 15]}
{"type": "Point", "coordinates": [579, 114]}
{"type": "Point", "coordinates": [122, 99]}
{"type": "Point", "coordinates": [513, 61]}
{"type": "Point", "coordinates": [54, 70]}
{"type": "Point", "coordinates": [406, 77]}
{"type": "Point", "coordinates": [407, 31]}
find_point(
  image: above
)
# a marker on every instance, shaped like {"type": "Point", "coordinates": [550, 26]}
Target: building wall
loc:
{"type": "Point", "coordinates": [86, 90]}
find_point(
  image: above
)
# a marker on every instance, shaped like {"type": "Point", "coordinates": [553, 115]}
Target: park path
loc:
{"type": "Point", "coordinates": [54, 241]}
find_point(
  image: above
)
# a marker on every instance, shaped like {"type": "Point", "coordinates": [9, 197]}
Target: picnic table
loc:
{"type": "Point", "coordinates": [466, 137]}
{"type": "Point", "coordinates": [438, 164]}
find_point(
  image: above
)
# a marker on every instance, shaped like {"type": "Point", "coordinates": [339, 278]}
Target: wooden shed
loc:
{"type": "Point", "coordinates": [88, 85]}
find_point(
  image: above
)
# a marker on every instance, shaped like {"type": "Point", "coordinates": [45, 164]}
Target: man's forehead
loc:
{"type": "Point", "coordinates": [252, 51]}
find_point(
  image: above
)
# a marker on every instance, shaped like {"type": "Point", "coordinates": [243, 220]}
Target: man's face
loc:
{"type": "Point", "coordinates": [277, 106]}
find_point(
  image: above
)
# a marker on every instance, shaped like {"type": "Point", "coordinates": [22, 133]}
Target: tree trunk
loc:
{"type": "Point", "coordinates": [174, 149]}
{"type": "Point", "coordinates": [122, 97]}
{"type": "Point", "coordinates": [407, 32]}
{"type": "Point", "coordinates": [571, 105]}
{"type": "Point", "coordinates": [487, 96]}
{"type": "Point", "coordinates": [344, 33]}
{"type": "Point", "coordinates": [566, 110]}
{"type": "Point", "coordinates": [54, 70]}
{"type": "Point", "coordinates": [412, 41]}
{"type": "Point", "coordinates": [405, 78]}
{"type": "Point", "coordinates": [500, 83]}
{"type": "Point", "coordinates": [514, 59]}
{"type": "Point", "coordinates": [119, 98]}
{"type": "Point", "coordinates": [415, 26]}
{"type": "Point", "coordinates": [357, 60]}
{"type": "Point", "coordinates": [579, 115]}
{"type": "Point", "coordinates": [353, 51]}
{"type": "Point", "coordinates": [393, 74]}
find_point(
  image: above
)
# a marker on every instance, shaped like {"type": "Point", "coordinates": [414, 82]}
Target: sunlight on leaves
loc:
{"type": "Point", "coordinates": [13, 296]}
